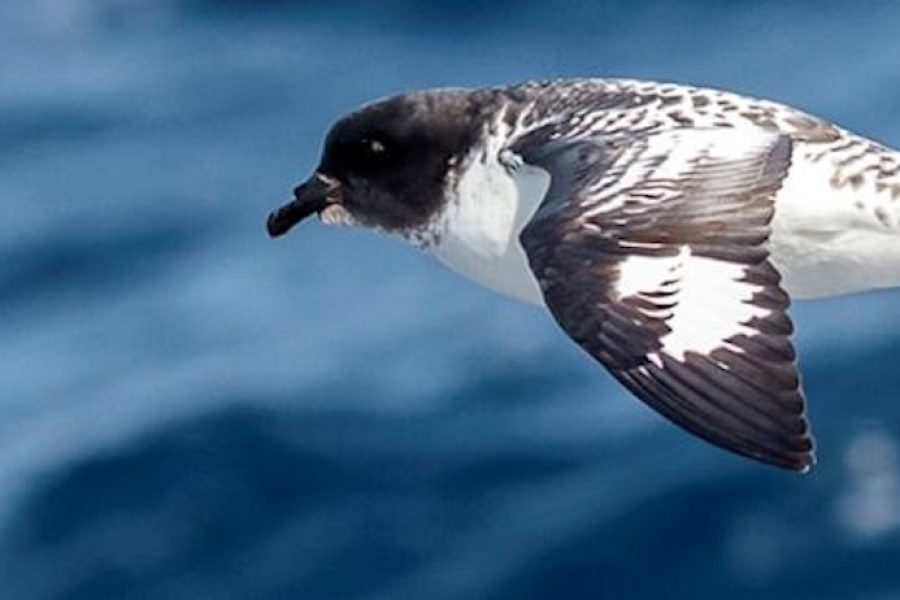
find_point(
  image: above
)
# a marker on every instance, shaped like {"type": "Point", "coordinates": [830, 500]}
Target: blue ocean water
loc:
{"type": "Point", "coordinates": [191, 410]}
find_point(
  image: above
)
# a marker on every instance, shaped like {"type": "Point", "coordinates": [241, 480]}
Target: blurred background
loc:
{"type": "Point", "coordinates": [191, 410]}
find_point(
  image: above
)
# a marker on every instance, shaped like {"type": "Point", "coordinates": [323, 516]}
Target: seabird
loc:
{"type": "Point", "coordinates": [665, 227]}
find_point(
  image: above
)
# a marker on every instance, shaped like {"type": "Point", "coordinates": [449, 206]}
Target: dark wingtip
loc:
{"type": "Point", "coordinates": [801, 461]}
{"type": "Point", "coordinates": [805, 466]}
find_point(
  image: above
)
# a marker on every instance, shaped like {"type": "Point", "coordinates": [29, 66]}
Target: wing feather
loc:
{"type": "Point", "coordinates": [651, 252]}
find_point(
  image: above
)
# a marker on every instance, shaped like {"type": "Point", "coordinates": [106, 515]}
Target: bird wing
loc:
{"type": "Point", "coordinates": [651, 253]}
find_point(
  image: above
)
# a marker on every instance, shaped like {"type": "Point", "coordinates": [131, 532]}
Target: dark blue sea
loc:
{"type": "Point", "coordinates": [189, 409]}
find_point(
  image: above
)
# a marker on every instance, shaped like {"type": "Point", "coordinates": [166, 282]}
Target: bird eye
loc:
{"type": "Point", "coordinates": [374, 146]}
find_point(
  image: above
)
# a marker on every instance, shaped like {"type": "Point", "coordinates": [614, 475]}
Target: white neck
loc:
{"type": "Point", "coordinates": [478, 231]}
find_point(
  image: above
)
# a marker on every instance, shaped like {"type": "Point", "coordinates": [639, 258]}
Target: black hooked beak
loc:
{"type": "Point", "coordinates": [310, 197]}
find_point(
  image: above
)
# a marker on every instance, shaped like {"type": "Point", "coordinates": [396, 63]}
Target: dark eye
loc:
{"type": "Point", "coordinates": [373, 153]}
{"type": "Point", "coordinates": [374, 146]}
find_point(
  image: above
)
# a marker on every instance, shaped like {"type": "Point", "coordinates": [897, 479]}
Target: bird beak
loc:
{"type": "Point", "coordinates": [310, 197]}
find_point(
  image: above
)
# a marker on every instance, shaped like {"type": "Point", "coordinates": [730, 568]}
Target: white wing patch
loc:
{"type": "Point", "coordinates": [644, 274]}
{"type": "Point", "coordinates": [709, 300]}
{"type": "Point", "coordinates": [713, 305]}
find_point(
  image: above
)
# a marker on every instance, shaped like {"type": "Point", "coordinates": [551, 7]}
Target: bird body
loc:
{"type": "Point", "coordinates": [836, 227]}
{"type": "Point", "coordinates": [665, 228]}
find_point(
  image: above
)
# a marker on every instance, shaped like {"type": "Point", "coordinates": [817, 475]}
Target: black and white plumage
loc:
{"type": "Point", "coordinates": [663, 226]}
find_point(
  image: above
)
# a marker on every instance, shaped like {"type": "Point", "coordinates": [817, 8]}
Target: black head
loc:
{"type": "Point", "coordinates": [386, 164]}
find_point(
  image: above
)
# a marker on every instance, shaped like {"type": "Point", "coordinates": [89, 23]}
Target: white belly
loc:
{"type": "Point", "coordinates": [828, 241]}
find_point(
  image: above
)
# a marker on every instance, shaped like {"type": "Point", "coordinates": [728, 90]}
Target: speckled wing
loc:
{"type": "Point", "coordinates": [651, 254]}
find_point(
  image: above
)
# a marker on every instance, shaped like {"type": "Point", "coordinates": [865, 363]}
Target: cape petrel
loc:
{"type": "Point", "coordinates": [665, 227]}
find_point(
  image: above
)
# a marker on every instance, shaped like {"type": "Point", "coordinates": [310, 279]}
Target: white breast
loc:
{"type": "Point", "coordinates": [478, 232]}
